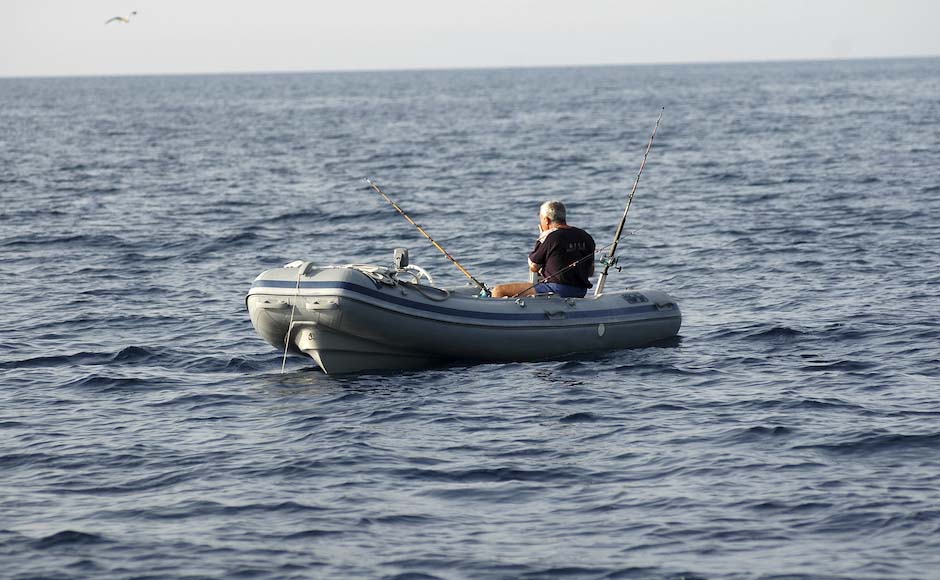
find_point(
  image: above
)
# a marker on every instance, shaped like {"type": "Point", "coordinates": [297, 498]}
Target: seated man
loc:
{"type": "Point", "coordinates": [558, 247]}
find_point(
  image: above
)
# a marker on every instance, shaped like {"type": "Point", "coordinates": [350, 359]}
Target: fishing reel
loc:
{"type": "Point", "coordinates": [611, 262]}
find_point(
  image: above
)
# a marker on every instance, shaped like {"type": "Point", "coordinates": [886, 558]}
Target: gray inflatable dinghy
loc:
{"type": "Point", "coordinates": [357, 317]}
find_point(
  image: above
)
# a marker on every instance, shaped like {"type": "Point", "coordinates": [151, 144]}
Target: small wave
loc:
{"type": "Point", "coordinates": [756, 433]}
{"type": "Point", "coordinates": [21, 459]}
{"type": "Point", "coordinates": [134, 354]}
{"type": "Point", "coordinates": [68, 538]}
{"type": "Point", "coordinates": [406, 519]}
{"type": "Point", "coordinates": [523, 452]}
{"type": "Point", "coordinates": [413, 576]}
{"type": "Point", "coordinates": [236, 238]}
{"type": "Point", "coordinates": [770, 182]}
{"type": "Point", "coordinates": [107, 383]}
{"type": "Point", "coordinates": [840, 331]}
{"type": "Point", "coordinates": [354, 217]}
{"type": "Point", "coordinates": [892, 442]}
{"type": "Point", "coordinates": [212, 363]}
{"type": "Point", "coordinates": [9, 537]}
{"type": "Point", "coordinates": [868, 179]}
{"type": "Point", "coordinates": [28, 215]}
{"type": "Point", "coordinates": [725, 177]}
{"type": "Point", "coordinates": [660, 369]}
{"type": "Point", "coordinates": [579, 418]}
{"type": "Point", "coordinates": [572, 365]}
{"type": "Point", "coordinates": [587, 572]}
{"type": "Point", "coordinates": [303, 214]}
{"type": "Point", "coordinates": [92, 191]}
{"type": "Point", "coordinates": [161, 481]}
{"type": "Point", "coordinates": [223, 244]}
{"type": "Point", "coordinates": [312, 534]}
{"type": "Point", "coordinates": [776, 332]}
{"type": "Point", "coordinates": [205, 508]}
{"type": "Point", "coordinates": [664, 407]}
{"type": "Point", "coordinates": [95, 241]}
{"type": "Point", "coordinates": [287, 507]}
{"type": "Point", "coordinates": [761, 332]}
{"type": "Point", "coordinates": [785, 508]}
{"type": "Point", "coordinates": [839, 365]}
{"type": "Point", "coordinates": [872, 520]}
{"type": "Point", "coordinates": [644, 573]}
{"type": "Point", "coordinates": [819, 404]}
{"type": "Point", "coordinates": [236, 203]}
{"type": "Point", "coordinates": [200, 400]}
{"type": "Point", "coordinates": [75, 167]}
{"type": "Point", "coordinates": [807, 264]}
{"type": "Point", "coordinates": [385, 416]}
{"type": "Point", "coordinates": [487, 475]}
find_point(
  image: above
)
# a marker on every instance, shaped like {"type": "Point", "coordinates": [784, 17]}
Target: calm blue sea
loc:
{"type": "Point", "coordinates": [791, 432]}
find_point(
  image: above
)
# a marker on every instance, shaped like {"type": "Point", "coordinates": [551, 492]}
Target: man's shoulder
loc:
{"type": "Point", "coordinates": [567, 235]}
{"type": "Point", "coordinates": [578, 232]}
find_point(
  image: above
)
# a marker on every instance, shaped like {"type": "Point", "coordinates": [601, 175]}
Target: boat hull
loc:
{"type": "Point", "coordinates": [351, 320]}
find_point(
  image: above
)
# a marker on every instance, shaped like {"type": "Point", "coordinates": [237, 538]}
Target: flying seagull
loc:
{"type": "Point", "coordinates": [124, 19]}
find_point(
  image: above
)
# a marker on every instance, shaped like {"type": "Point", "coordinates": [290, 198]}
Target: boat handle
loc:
{"type": "Point", "coordinates": [558, 314]}
{"type": "Point", "coordinates": [664, 305]}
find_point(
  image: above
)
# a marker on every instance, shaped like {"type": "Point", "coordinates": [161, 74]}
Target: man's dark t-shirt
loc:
{"type": "Point", "coordinates": [562, 248]}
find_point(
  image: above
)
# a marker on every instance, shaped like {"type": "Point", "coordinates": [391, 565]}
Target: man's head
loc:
{"type": "Point", "coordinates": [554, 211]}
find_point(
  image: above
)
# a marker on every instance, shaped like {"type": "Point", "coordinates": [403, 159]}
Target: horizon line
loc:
{"type": "Point", "coordinates": [470, 68]}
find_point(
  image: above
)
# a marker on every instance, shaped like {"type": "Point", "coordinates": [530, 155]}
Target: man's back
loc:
{"type": "Point", "coordinates": [561, 248]}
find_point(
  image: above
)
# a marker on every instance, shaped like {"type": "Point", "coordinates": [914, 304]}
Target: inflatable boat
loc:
{"type": "Point", "coordinates": [357, 317]}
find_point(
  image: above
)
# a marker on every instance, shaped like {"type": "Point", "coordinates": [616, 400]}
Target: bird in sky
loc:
{"type": "Point", "coordinates": [124, 19]}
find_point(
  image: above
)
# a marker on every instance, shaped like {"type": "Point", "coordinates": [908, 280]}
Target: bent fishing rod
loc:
{"type": "Point", "coordinates": [376, 187]}
{"type": "Point", "coordinates": [610, 259]}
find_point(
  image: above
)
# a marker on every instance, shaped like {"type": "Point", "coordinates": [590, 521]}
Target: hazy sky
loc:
{"type": "Point", "coordinates": [69, 37]}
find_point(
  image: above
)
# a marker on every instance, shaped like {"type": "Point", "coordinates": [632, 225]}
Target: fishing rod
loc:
{"type": "Point", "coordinates": [425, 234]}
{"type": "Point", "coordinates": [610, 259]}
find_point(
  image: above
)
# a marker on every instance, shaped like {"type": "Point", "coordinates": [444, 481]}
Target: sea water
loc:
{"type": "Point", "coordinates": [791, 431]}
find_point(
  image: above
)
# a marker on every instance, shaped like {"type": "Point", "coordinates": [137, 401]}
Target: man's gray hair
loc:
{"type": "Point", "coordinates": [554, 210]}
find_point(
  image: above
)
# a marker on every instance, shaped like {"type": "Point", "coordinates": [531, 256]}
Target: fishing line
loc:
{"type": "Point", "coordinates": [610, 260]}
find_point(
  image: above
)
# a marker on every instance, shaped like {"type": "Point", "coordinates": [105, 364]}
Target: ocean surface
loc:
{"type": "Point", "coordinates": [792, 431]}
